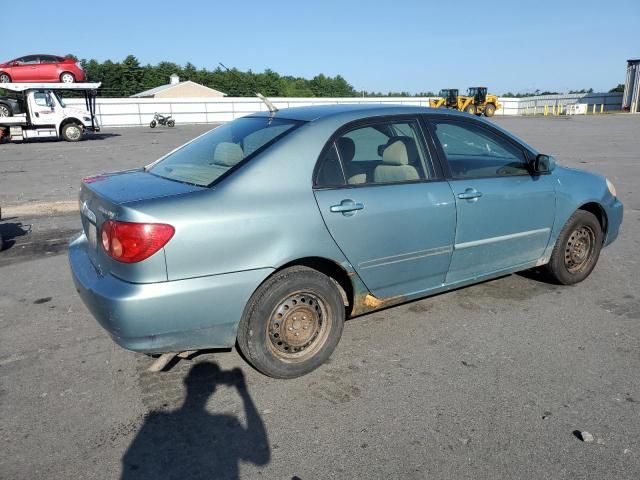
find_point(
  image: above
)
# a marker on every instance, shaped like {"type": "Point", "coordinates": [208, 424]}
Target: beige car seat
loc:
{"type": "Point", "coordinates": [395, 165]}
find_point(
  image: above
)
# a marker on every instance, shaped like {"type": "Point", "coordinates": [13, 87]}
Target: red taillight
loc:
{"type": "Point", "coordinates": [133, 242]}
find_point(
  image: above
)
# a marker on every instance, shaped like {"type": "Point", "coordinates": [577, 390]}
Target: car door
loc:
{"type": "Point", "coordinates": [43, 108]}
{"type": "Point", "coordinates": [385, 206]}
{"type": "Point", "coordinates": [504, 213]}
{"type": "Point", "coordinates": [25, 69]}
{"type": "Point", "coordinates": [48, 68]}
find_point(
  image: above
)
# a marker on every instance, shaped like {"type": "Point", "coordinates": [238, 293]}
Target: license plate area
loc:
{"type": "Point", "coordinates": [92, 235]}
{"type": "Point", "coordinates": [90, 225]}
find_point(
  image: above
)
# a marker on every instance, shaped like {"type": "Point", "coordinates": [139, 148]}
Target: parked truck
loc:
{"type": "Point", "coordinates": [36, 110]}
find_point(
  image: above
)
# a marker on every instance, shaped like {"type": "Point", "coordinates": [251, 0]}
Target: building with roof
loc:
{"type": "Point", "coordinates": [177, 89]}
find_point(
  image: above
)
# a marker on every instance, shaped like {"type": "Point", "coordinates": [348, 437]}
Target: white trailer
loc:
{"type": "Point", "coordinates": [42, 113]}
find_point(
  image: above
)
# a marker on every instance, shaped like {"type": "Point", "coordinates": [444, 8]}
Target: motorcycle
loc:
{"type": "Point", "coordinates": [164, 120]}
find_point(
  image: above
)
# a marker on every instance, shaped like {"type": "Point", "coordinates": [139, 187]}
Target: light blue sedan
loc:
{"type": "Point", "coordinates": [271, 230]}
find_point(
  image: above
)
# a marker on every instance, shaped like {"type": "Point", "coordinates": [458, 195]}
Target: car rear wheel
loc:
{"type": "Point", "coordinates": [292, 323]}
{"type": "Point", "coordinates": [5, 110]}
{"type": "Point", "coordinates": [72, 132]}
{"type": "Point", "coordinates": [577, 249]}
{"type": "Point", "coordinates": [67, 77]}
{"type": "Point", "coordinates": [5, 78]}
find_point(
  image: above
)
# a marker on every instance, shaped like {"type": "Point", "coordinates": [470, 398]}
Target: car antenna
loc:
{"type": "Point", "coordinates": [272, 108]}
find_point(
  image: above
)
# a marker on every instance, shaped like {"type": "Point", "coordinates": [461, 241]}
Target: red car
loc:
{"type": "Point", "coordinates": [41, 68]}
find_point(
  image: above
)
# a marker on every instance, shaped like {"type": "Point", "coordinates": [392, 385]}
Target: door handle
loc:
{"type": "Point", "coordinates": [347, 207]}
{"type": "Point", "coordinates": [470, 194]}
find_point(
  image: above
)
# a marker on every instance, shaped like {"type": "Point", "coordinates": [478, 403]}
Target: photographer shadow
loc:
{"type": "Point", "coordinates": [191, 442]}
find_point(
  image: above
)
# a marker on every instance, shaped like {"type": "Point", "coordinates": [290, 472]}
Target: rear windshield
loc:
{"type": "Point", "coordinates": [202, 161]}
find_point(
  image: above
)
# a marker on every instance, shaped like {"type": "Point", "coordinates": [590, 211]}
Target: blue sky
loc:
{"type": "Point", "coordinates": [405, 45]}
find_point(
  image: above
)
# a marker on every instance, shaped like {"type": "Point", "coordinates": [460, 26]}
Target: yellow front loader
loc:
{"type": "Point", "coordinates": [479, 102]}
{"type": "Point", "coordinates": [448, 98]}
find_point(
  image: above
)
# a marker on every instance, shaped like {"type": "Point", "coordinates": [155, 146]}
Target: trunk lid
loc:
{"type": "Point", "coordinates": [120, 196]}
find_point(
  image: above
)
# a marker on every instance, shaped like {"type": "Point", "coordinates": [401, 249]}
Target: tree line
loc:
{"type": "Point", "coordinates": [128, 77]}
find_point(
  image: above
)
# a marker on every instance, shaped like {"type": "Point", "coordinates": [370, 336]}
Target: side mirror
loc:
{"type": "Point", "coordinates": [543, 164]}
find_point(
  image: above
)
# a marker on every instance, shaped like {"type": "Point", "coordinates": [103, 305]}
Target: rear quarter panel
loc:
{"type": "Point", "coordinates": [264, 215]}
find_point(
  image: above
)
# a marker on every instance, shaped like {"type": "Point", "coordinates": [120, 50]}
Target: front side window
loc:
{"type": "Point", "coordinates": [473, 151]}
{"type": "Point", "coordinates": [378, 153]}
{"type": "Point", "coordinates": [30, 60]}
{"type": "Point", "coordinates": [208, 157]}
{"type": "Point", "coordinates": [42, 99]}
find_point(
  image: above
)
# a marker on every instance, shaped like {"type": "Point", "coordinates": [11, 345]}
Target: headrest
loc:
{"type": "Point", "coordinates": [346, 149]}
{"type": "Point", "coordinates": [396, 154]}
{"type": "Point", "coordinates": [227, 154]}
{"type": "Point", "coordinates": [412, 149]}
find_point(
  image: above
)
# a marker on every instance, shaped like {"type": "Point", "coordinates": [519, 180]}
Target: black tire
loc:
{"type": "Point", "coordinates": [292, 323]}
{"type": "Point", "coordinates": [171, 123]}
{"type": "Point", "coordinates": [577, 249]}
{"type": "Point", "coordinates": [5, 78]}
{"type": "Point", "coordinates": [5, 110]}
{"type": "Point", "coordinates": [1, 243]}
{"type": "Point", "coordinates": [67, 77]}
{"type": "Point", "coordinates": [489, 110]}
{"type": "Point", "coordinates": [153, 124]}
{"type": "Point", "coordinates": [72, 132]}
{"type": "Point", "coordinates": [471, 109]}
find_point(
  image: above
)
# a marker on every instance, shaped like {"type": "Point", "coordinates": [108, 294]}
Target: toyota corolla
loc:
{"type": "Point", "coordinates": [269, 231]}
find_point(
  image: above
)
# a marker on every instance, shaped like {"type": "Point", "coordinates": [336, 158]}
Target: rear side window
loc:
{"type": "Point", "coordinates": [205, 159]}
{"type": "Point", "coordinates": [377, 153]}
{"type": "Point", "coordinates": [476, 152]}
{"type": "Point", "coordinates": [50, 59]}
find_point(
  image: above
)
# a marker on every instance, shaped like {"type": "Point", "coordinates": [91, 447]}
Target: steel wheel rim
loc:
{"type": "Point", "coordinates": [67, 78]}
{"type": "Point", "coordinates": [4, 111]}
{"type": "Point", "coordinates": [579, 249]}
{"type": "Point", "coordinates": [298, 327]}
{"type": "Point", "coordinates": [73, 132]}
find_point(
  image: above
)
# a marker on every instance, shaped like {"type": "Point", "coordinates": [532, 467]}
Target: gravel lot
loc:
{"type": "Point", "coordinates": [490, 381]}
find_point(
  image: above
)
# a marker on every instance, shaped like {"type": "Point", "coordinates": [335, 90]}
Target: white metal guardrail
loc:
{"type": "Point", "coordinates": [139, 111]}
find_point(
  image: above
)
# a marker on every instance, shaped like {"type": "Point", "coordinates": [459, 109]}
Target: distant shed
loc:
{"type": "Point", "coordinates": [631, 96]}
{"type": "Point", "coordinates": [177, 89]}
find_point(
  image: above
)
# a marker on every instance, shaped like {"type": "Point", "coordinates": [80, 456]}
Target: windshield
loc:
{"type": "Point", "coordinates": [208, 157]}
{"type": "Point", "coordinates": [59, 98]}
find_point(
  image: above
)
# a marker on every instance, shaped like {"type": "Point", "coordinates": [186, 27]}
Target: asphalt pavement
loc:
{"type": "Point", "coordinates": [492, 381]}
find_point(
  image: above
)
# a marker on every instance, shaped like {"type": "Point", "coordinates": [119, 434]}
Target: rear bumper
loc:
{"type": "Point", "coordinates": [162, 317]}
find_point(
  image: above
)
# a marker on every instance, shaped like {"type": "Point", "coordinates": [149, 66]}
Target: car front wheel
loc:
{"type": "Point", "coordinates": [577, 249]}
{"type": "Point", "coordinates": [292, 323]}
{"type": "Point", "coordinates": [5, 78]}
{"type": "Point", "coordinates": [72, 132]}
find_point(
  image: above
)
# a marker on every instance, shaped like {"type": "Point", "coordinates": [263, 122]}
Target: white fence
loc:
{"type": "Point", "coordinates": [604, 102]}
{"type": "Point", "coordinates": [122, 112]}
